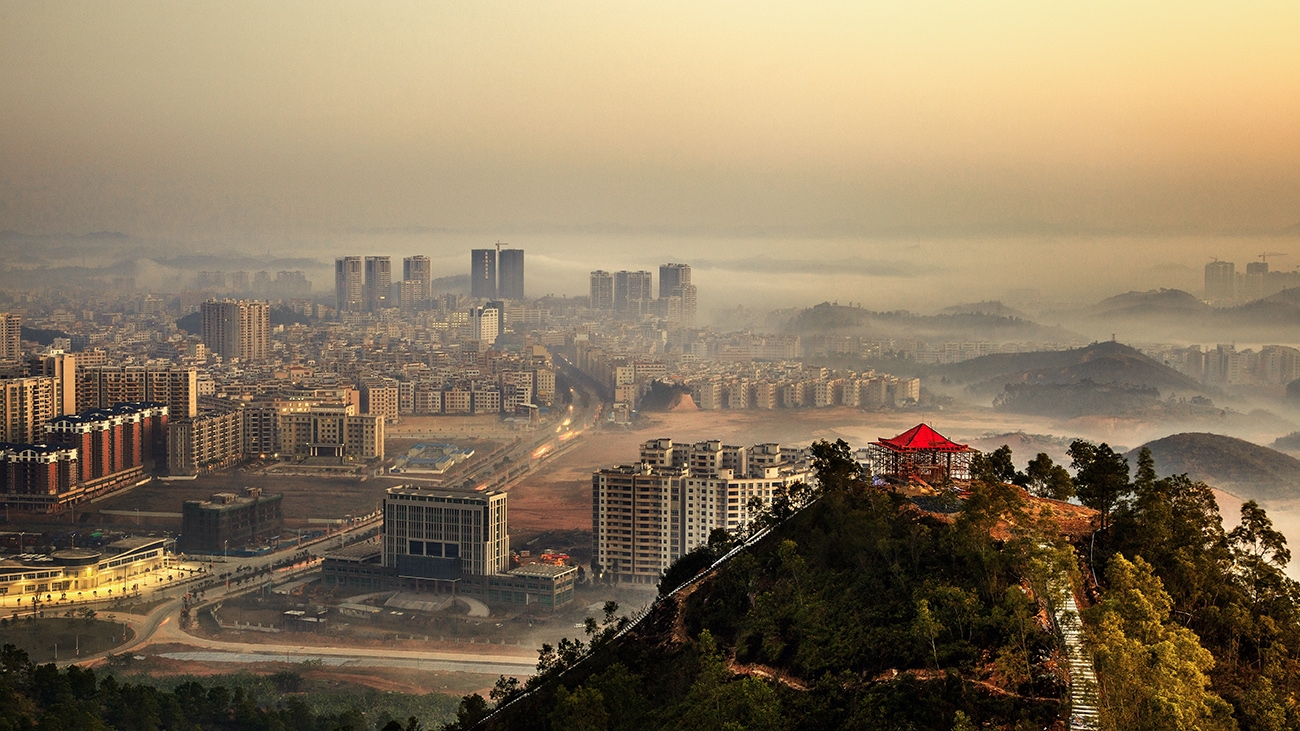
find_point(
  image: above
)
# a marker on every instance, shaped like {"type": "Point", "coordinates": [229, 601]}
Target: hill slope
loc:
{"type": "Point", "coordinates": [1246, 470]}
{"type": "Point", "coordinates": [1106, 362]}
{"type": "Point", "coordinates": [860, 612]}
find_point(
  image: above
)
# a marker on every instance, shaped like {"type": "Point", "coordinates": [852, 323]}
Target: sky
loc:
{"type": "Point", "coordinates": [274, 123]}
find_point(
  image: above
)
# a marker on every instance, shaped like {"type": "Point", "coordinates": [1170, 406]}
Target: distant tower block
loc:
{"type": "Point", "coordinates": [602, 290]}
{"type": "Point", "coordinates": [1220, 280]}
{"type": "Point", "coordinates": [483, 273]}
{"type": "Point", "coordinates": [378, 282]}
{"type": "Point", "coordinates": [419, 269]}
{"type": "Point", "coordinates": [511, 282]}
{"type": "Point", "coordinates": [349, 284]}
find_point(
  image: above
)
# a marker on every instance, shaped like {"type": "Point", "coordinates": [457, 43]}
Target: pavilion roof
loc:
{"type": "Point", "coordinates": [921, 438]}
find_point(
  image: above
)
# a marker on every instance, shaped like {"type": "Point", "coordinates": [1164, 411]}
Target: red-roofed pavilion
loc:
{"type": "Point", "coordinates": [921, 452]}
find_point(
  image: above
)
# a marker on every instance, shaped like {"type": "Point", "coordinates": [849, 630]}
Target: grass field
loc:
{"type": "Point", "coordinates": [41, 638]}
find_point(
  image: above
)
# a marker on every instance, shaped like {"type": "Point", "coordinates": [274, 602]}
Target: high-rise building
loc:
{"type": "Point", "coordinates": [1220, 280]}
{"type": "Point", "coordinates": [237, 328]}
{"type": "Point", "coordinates": [378, 282]}
{"type": "Point", "coordinates": [484, 324]}
{"type": "Point", "coordinates": [27, 405]}
{"type": "Point", "coordinates": [483, 273]}
{"type": "Point", "coordinates": [671, 277]}
{"type": "Point", "coordinates": [602, 290]}
{"type": "Point", "coordinates": [687, 293]}
{"type": "Point", "coordinates": [645, 516]}
{"type": "Point", "coordinates": [100, 387]}
{"type": "Point", "coordinates": [511, 282]}
{"type": "Point", "coordinates": [10, 336]}
{"type": "Point", "coordinates": [1256, 280]}
{"type": "Point", "coordinates": [419, 269]}
{"type": "Point", "coordinates": [632, 292]}
{"type": "Point", "coordinates": [349, 284]}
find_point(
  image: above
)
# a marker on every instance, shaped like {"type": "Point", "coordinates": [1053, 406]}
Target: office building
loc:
{"type": "Point", "coordinates": [77, 573]}
{"type": "Point", "coordinates": [419, 271]}
{"type": "Point", "coordinates": [349, 284]}
{"type": "Point", "coordinates": [10, 336]}
{"type": "Point", "coordinates": [483, 273]}
{"type": "Point", "coordinates": [484, 324]}
{"type": "Point", "coordinates": [632, 292]}
{"type": "Point", "coordinates": [510, 285]}
{"type": "Point", "coordinates": [228, 521]}
{"type": "Point", "coordinates": [645, 516]}
{"type": "Point", "coordinates": [433, 537]}
{"type": "Point", "coordinates": [332, 431]}
{"type": "Point", "coordinates": [103, 386]}
{"type": "Point", "coordinates": [602, 291]}
{"type": "Point", "coordinates": [378, 283]}
{"type": "Point", "coordinates": [237, 329]}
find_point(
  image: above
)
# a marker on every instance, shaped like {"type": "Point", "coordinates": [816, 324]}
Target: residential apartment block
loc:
{"type": "Point", "coordinates": [647, 515]}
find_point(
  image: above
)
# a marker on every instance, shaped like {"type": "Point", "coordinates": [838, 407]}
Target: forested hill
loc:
{"type": "Point", "coordinates": [1247, 470]}
{"type": "Point", "coordinates": [962, 323]}
{"type": "Point", "coordinates": [860, 612]}
{"type": "Point", "coordinates": [1104, 362]}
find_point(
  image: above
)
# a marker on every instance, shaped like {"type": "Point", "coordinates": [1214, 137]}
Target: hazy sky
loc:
{"type": "Point", "coordinates": [218, 120]}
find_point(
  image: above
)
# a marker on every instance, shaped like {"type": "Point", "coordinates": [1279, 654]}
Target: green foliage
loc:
{"type": "Point", "coordinates": [44, 697]}
{"type": "Point", "coordinates": [1100, 477]}
{"type": "Point", "coordinates": [1152, 671]}
{"type": "Point", "coordinates": [1049, 480]}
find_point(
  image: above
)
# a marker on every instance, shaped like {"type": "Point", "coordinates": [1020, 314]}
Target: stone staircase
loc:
{"type": "Point", "coordinates": [1084, 715]}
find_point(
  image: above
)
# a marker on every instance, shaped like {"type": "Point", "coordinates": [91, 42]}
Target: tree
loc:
{"type": "Point", "coordinates": [1259, 552]}
{"type": "Point", "coordinates": [836, 469]}
{"type": "Point", "coordinates": [1100, 476]}
{"type": "Point", "coordinates": [927, 628]}
{"type": "Point", "coordinates": [581, 710]}
{"type": "Point", "coordinates": [1047, 479]}
{"type": "Point", "coordinates": [1152, 672]}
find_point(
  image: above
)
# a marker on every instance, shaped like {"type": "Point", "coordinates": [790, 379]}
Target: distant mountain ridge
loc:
{"type": "Point", "coordinates": [1236, 466]}
{"type": "Point", "coordinates": [963, 324]}
{"type": "Point", "coordinates": [1104, 362]}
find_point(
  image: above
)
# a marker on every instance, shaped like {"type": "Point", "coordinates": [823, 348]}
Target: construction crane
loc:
{"type": "Point", "coordinates": [1264, 256]}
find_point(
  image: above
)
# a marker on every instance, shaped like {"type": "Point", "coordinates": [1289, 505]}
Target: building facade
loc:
{"type": "Point", "coordinates": [378, 282]}
{"type": "Point", "coordinates": [419, 271]}
{"type": "Point", "coordinates": [510, 284]}
{"type": "Point", "coordinates": [433, 537]}
{"type": "Point", "coordinates": [227, 521]}
{"type": "Point", "coordinates": [647, 515]}
{"type": "Point", "coordinates": [11, 328]}
{"type": "Point", "coordinates": [211, 440]}
{"type": "Point", "coordinates": [102, 386]}
{"type": "Point", "coordinates": [483, 273]}
{"type": "Point", "coordinates": [349, 284]}
{"type": "Point", "coordinates": [332, 431]}
{"type": "Point", "coordinates": [602, 291]}
{"type": "Point", "coordinates": [237, 329]}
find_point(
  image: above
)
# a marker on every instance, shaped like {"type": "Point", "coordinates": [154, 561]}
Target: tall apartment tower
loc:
{"type": "Point", "coordinates": [672, 276]}
{"type": "Point", "coordinates": [237, 328]}
{"type": "Point", "coordinates": [378, 282]}
{"type": "Point", "coordinates": [510, 285]}
{"type": "Point", "coordinates": [632, 292]}
{"type": "Point", "coordinates": [484, 324]}
{"type": "Point", "coordinates": [349, 284]}
{"type": "Point", "coordinates": [419, 269]}
{"type": "Point", "coordinates": [10, 336]}
{"type": "Point", "coordinates": [1220, 280]}
{"type": "Point", "coordinates": [602, 290]}
{"type": "Point", "coordinates": [483, 273]}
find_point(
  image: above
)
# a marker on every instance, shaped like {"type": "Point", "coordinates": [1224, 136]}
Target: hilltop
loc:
{"type": "Point", "coordinates": [1103, 363]}
{"type": "Point", "coordinates": [862, 611]}
{"type": "Point", "coordinates": [964, 322]}
{"type": "Point", "coordinates": [1246, 470]}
